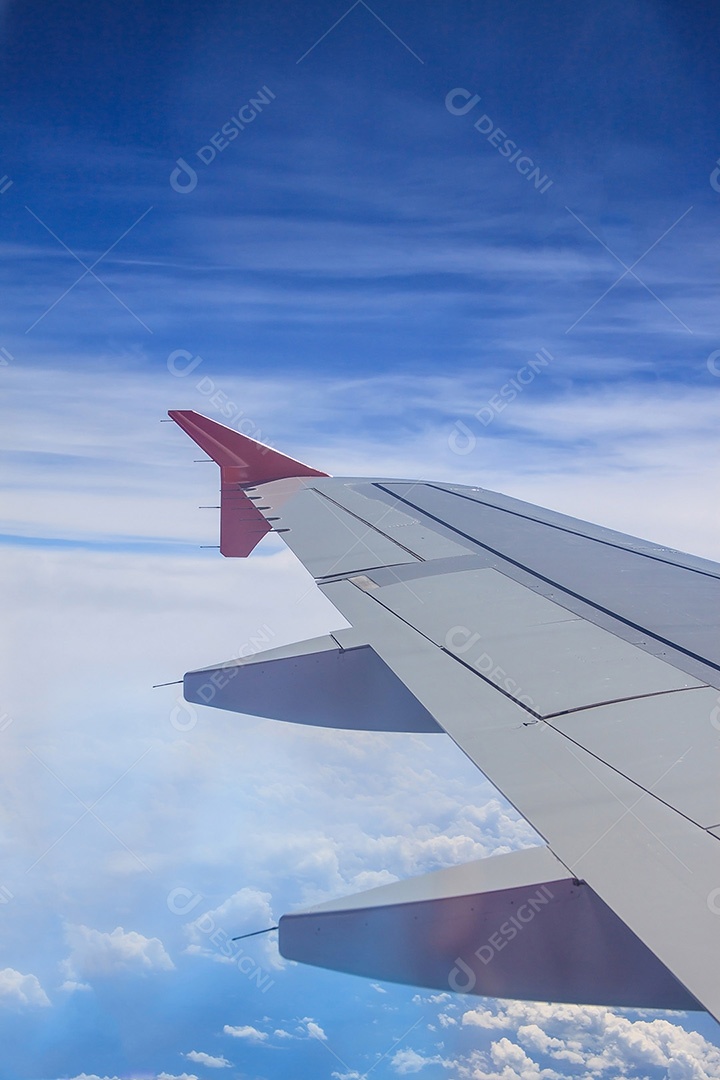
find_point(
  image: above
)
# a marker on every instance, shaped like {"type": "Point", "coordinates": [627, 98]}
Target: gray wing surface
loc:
{"type": "Point", "coordinates": [579, 669]}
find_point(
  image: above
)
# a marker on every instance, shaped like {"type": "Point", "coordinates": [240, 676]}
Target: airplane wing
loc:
{"type": "Point", "coordinates": [577, 667]}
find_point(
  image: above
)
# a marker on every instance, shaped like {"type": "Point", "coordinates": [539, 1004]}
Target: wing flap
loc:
{"type": "Point", "coordinates": [316, 682]}
{"type": "Point", "coordinates": [511, 926]}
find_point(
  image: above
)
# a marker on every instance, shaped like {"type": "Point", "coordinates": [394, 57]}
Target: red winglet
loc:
{"type": "Point", "coordinates": [242, 461]}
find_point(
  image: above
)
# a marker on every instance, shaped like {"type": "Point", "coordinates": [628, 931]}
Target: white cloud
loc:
{"type": "Point", "coordinates": [245, 1031]}
{"type": "Point", "coordinates": [602, 1042]}
{"type": "Point", "coordinates": [246, 910]}
{"type": "Point", "coordinates": [160, 1076]}
{"type": "Point", "coordinates": [94, 1076]}
{"type": "Point", "coordinates": [409, 1061]}
{"type": "Point", "coordinates": [19, 989]}
{"type": "Point", "coordinates": [209, 1060]}
{"type": "Point", "coordinates": [447, 1021]}
{"type": "Point", "coordinates": [315, 1031]}
{"type": "Point", "coordinates": [211, 932]}
{"type": "Point", "coordinates": [485, 1018]}
{"type": "Point", "coordinates": [515, 1063]}
{"type": "Point", "coordinates": [348, 810]}
{"type": "Point", "coordinates": [71, 986]}
{"type": "Point", "coordinates": [603, 452]}
{"type": "Point", "coordinates": [98, 953]}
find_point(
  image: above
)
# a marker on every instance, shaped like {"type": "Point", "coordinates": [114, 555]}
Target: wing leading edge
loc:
{"type": "Point", "coordinates": [577, 667]}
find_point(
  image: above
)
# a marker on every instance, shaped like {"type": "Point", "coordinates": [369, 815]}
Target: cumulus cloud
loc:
{"type": "Point", "coordinates": [19, 989]}
{"type": "Point", "coordinates": [71, 986]}
{"type": "Point", "coordinates": [94, 1076]}
{"type": "Point", "coordinates": [408, 1061]}
{"type": "Point", "coordinates": [97, 953]}
{"type": "Point", "coordinates": [447, 1021]}
{"type": "Point", "coordinates": [247, 909]}
{"type": "Point", "coordinates": [210, 934]}
{"type": "Point", "coordinates": [485, 1018]}
{"type": "Point", "coordinates": [315, 1031]}
{"type": "Point", "coordinates": [160, 1076]}
{"type": "Point", "coordinates": [245, 1031]}
{"type": "Point", "coordinates": [209, 1060]}
{"type": "Point", "coordinates": [551, 1042]}
{"type": "Point", "coordinates": [306, 1028]}
{"type": "Point", "coordinates": [515, 1064]}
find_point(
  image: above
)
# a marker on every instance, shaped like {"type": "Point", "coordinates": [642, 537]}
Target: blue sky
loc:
{"type": "Point", "coordinates": [363, 274]}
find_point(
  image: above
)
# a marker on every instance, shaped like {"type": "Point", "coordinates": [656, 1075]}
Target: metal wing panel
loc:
{"type": "Point", "coordinates": [328, 540]}
{"type": "Point", "coordinates": [667, 745]}
{"type": "Point", "coordinates": [649, 863]}
{"type": "Point", "coordinates": [667, 607]}
{"type": "Point", "coordinates": [677, 603]}
{"type": "Point", "coordinates": [368, 503]}
{"type": "Point", "coordinates": [527, 645]}
{"type": "Point", "coordinates": [529, 511]}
